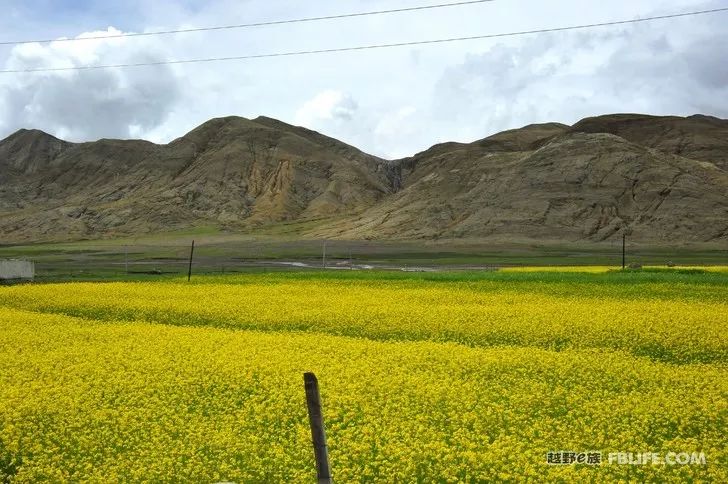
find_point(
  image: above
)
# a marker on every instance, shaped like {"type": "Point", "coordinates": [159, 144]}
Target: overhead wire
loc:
{"type": "Point", "coordinates": [248, 25]}
{"type": "Point", "coordinates": [372, 46]}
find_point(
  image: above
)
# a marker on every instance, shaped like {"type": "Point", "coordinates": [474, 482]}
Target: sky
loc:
{"type": "Point", "coordinates": [388, 102]}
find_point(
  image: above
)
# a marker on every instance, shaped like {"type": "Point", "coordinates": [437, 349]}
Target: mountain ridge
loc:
{"type": "Point", "coordinates": [662, 178]}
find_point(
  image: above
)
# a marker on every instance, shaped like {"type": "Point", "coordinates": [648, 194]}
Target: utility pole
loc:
{"type": "Point", "coordinates": [189, 269]}
{"type": "Point", "coordinates": [323, 256]}
{"type": "Point", "coordinates": [624, 236]}
{"type": "Point", "coordinates": [126, 259]}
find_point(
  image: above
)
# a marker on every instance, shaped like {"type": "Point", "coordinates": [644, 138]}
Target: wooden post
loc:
{"type": "Point", "coordinates": [623, 247]}
{"type": "Point", "coordinates": [126, 258]}
{"type": "Point", "coordinates": [323, 256]}
{"type": "Point", "coordinates": [189, 269]}
{"type": "Point", "coordinates": [318, 432]}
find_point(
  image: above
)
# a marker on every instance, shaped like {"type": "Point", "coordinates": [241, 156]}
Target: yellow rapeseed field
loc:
{"type": "Point", "coordinates": [463, 380]}
{"type": "Point", "coordinates": [585, 269]}
{"type": "Point", "coordinates": [602, 269]}
{"type": "Point", "coordinates": [658, 321]}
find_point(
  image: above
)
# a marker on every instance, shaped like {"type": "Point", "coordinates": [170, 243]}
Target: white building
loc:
{"type": "Point", "coordinates": [16, 269]}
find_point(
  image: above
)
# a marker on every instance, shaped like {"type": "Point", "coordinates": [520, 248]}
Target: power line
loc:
{"type": "Point", "coordinates": [367, 47]}
{"type": "Point", "coordinates": [244, 26]}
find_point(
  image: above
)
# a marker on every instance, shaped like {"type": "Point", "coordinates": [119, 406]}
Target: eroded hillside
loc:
{"type": "Point", "coordinates": [663, 179]}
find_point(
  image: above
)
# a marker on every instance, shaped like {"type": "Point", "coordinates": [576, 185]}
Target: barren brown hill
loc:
{"type": "Point", "coordinates": [231, 172]}
{"type": "Point", "coordinates": [698, 137]}
{"type": "Point", "coordinates": [664, 179]}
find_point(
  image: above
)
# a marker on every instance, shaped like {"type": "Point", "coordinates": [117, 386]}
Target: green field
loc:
{"type": "Point", "coordinates": [165, 255]}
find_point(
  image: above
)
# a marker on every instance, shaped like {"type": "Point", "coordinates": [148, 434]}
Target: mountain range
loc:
{"type": "Point", "coordinates": [662, 179]}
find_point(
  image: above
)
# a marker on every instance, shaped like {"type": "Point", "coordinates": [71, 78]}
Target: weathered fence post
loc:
{"type": "Point", "coordinates": [189, 269]}
{"type": "Point", "coordinates": [318, 432]}
{"type": "Point", "coordinates": [623, 251]}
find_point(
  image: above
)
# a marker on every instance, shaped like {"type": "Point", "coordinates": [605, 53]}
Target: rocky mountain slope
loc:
{"type": "Point", "coordinates": [231, 172]}
{"type": "Point", "coordinates": [663, 179]}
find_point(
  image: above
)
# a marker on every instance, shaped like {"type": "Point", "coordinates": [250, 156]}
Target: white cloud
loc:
{"type": "Point", "coordinates": [569, 76]}
{"type": "Point", "coordinates": [88, 104]}
{"type": "Point", "coordinates": [327, 105]}
{"type": "Point", "coordinates": [394, 126]}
